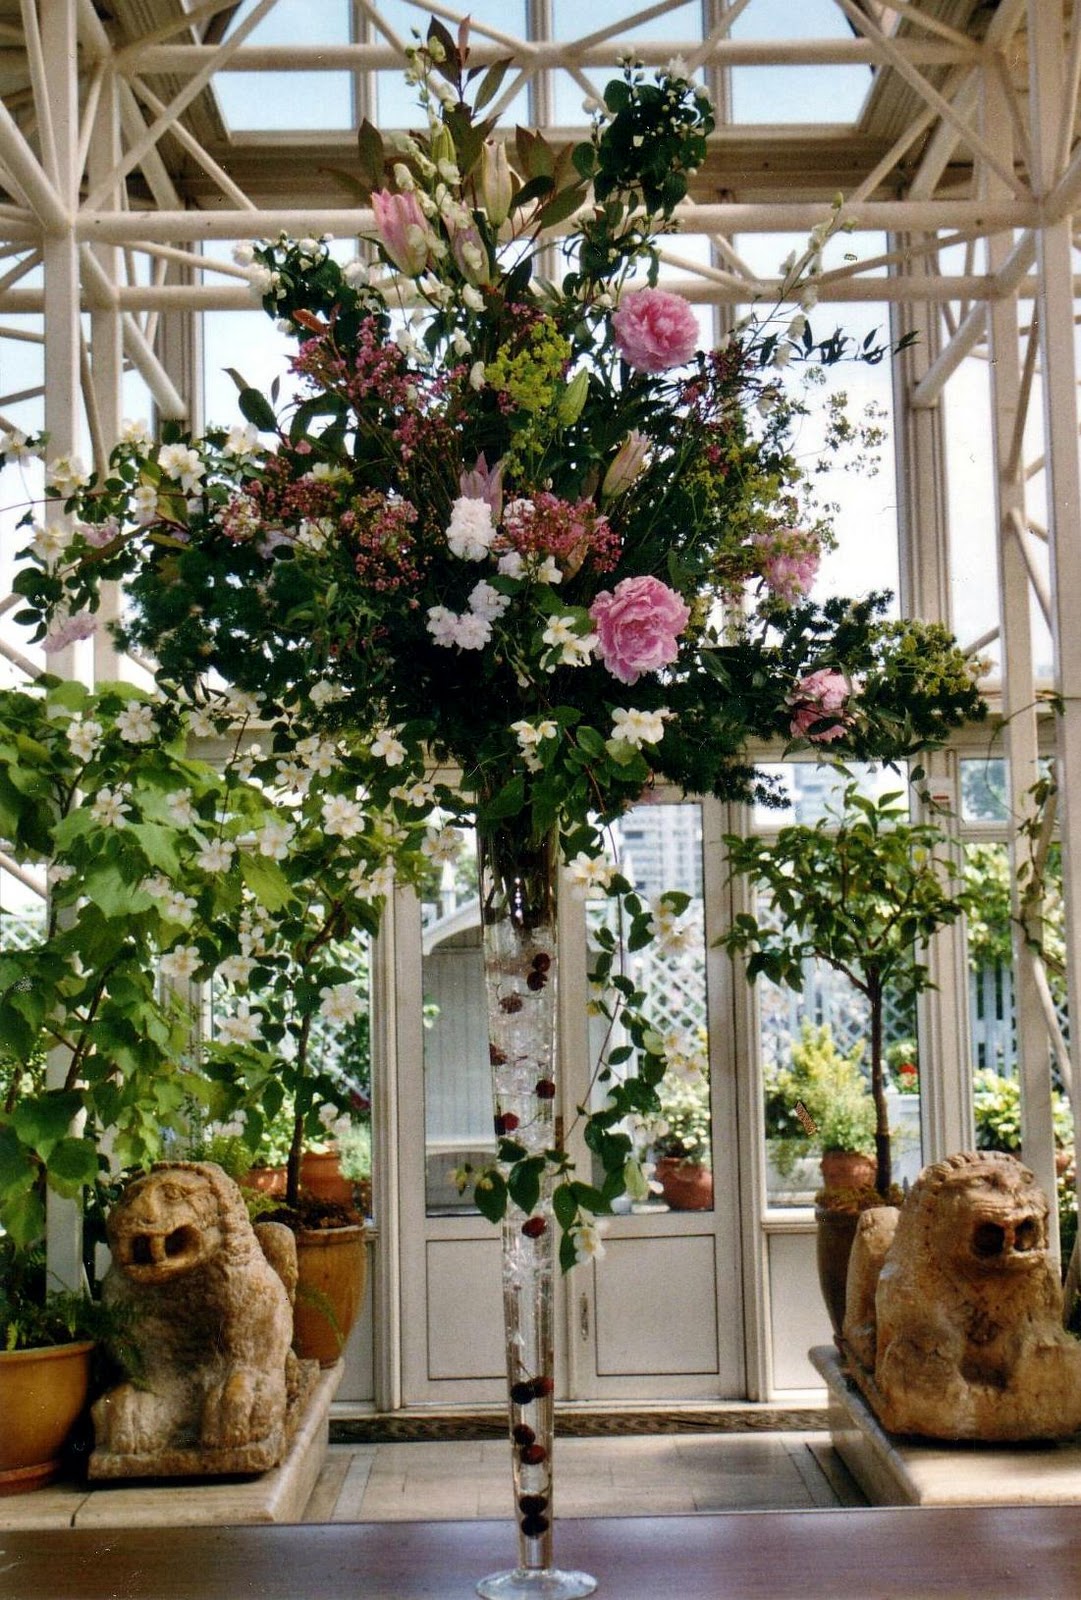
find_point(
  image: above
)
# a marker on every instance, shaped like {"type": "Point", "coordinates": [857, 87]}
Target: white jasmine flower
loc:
{"type": "Point", "coordinates": [339, 1002]}
{"type": "Point", "coordinates": [136, 725]}
{"type": "Point", "coordinates": [66, 474]}
{"type": "Point", "coordinates": [322, 693]}
{"type": "Point", "coordinates": [441, 845]}
{"type": "Point", "coordinates": [145, 502]}
{"type": "Point", "coordinates": [236, 969]}
{"type": "Point", "coordinates": [83, 737]}
{"type": "Point", "coordinates": [314, 534]}
{"type": "Point", "coordinates": [58, 872]}
{"type": "Point", "coordinates": [201, 724]}
{"type": "Point", "coordinates": [548, 571]}
{"type": "Point", "coordinates": [110, 806]}
{"type": "Point", "coordinates": [182, 462]}
{"type": "Point", "coordinates": [575, 649]}
{"type": "Point", "coordinates": [370, 885]}
{"type": "Point", "coordinates": [471, 530]}
{"type": "Point", "coordinates": [342, 818]}
{"type": "Point", "coordinates": [157, 886]}
{"type": "Point", "coordinates": [319, 755]}
{"type": "Point", "coordinates": [136, 433]}
{"type": "Point", "coordinates": [356, 273]}
{"type": "Point", "coordinates": [181, 809]}
{"type": "Point", "coordinates": [242, 442]}
{"type": "Point", "coordinates": [274, 837]}
{"type": "Point", "coordinates": [590, 872]}
{"type": "Point", "coordinates": [15, 445]}
{"type": "Point", "coordinates": [244, 253]}
{"type": "Point", "coordinates": [636, 727]}
{"type": "Point", "coordinates": [587, 1241]}
{"type": "Point", "coordinates": [178, 907]}
{"type": "Point", "coordinates": [180, 963]}
{"type": "Point", "coordinates": [389, 748]}
{"type": "Point", "coordinates": [51, 540]}
{"type": "Point", "coordinates": [240, 706]}
{"type": "Point", "coordinates": [217, 856]}
{"type": "Point", "coordinates": [243, 1027]}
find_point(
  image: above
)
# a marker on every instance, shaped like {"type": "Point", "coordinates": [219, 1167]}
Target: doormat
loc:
{"type": "Point", "coordinates": [577, 1423]}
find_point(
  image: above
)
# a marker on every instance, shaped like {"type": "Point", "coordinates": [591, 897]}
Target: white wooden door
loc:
{"type": "Point", "coordinates": [660, 1316]}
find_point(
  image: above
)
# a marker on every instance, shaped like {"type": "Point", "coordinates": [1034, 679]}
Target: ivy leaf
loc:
{"type": "Point", "coordinates": [490, 1195]}
{"type": "Point", "coordinates": [524, 1183]}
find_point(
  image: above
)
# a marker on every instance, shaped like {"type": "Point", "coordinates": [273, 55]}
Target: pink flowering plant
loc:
{"type": "Point", "coordinates": [530, 530]}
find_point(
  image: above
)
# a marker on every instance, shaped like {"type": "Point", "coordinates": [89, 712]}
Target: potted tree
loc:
{"type": "Point", "coordinates": [861, 890]}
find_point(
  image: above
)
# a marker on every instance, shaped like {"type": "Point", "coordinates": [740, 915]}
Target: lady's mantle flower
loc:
{"type": "Point", "coordinates": [636, 727]}
{"type": "Point", "coordinates": [819, 706]}
{"type": "Point", "coordinates": [180, 963]}
{"type": "Point", "coordinates": [638, 626]}
{"type": "Point", "coordinates": [655, 330]}
{"type": "Point", "coordinates": [471, 530]}
{"type": "Point", "coordinates": [339, 1002]}
{"type": "Point", "coordinates": [243, 1027]}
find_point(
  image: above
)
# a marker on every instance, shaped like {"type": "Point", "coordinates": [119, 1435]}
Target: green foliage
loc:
{"type": "Point", "coordinates": [31, 1315]}
{"type": "Point", "coordinates": [861, 890]}
{"type": "Point", "coordinates": [996, 1106]}
{"type": "Point", "coordinates": [355, 1148]}
{"type": "Point", "coordinates": [833, 1089]}
{"type": "Point", "coordinates": [685, 1109]}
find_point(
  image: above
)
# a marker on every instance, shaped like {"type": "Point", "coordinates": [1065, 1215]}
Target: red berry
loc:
{"type": "Point", "coordinates": [522, 1433]}
{"type": "Point", "coordinates": [533, 1227]}
{"type": "Point", "coordinates": [543, 1386]}
{"type": "Point", "coordinates": [541, 962]}
{"type": "Point", "coordinates": [522, 1393]}
{"type": "Point", "coordinates": [533, 1455]}
{"type": "Point", "coordinates": [531, 1505]}
{"type": "Point", "coordinates": [506, 1122]}
{"type": "Point", "coordinates": [546, 1089]}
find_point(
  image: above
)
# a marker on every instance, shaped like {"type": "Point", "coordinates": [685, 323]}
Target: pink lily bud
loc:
{"type": "Point", "coordinates": [626, 465]}
{"type": "Point", "coordinates": [403, 231]}
{"type": "Point", "coordinates": [496, 185]}
{"type": "Point", "coordinates": [468, 250]}
{"type": "Point", "coordinates": [484, 483]}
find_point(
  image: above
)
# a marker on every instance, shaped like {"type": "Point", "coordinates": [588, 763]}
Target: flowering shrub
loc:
{"type": "Point", "coordinates": [525, 529]}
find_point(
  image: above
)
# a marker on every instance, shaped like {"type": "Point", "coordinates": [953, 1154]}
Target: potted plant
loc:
{"type": "Point", "coordinates": [46, 1344]}
{"type": "Point", "coordinates": [861, 890]}
{"type": "Point", "coordinates": [821, 1105]}
{"type": "Point", "coordinates": [682, 1151]}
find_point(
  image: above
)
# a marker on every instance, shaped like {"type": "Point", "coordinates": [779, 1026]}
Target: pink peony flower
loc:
{"type": "Point", "coordinates": [403, 231]}
{"type": "Point", "coordinates": [788, 563]}
{"type": "Point", "coordinates": [638, 626]}
{"type": "Point", "coordinates": [655, 330]}
{"type": "Point", "coordinates": [819, 706]}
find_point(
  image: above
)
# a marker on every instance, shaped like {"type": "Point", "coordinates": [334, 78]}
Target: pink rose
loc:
{"type": "Point", "coordinates": [638, 626]}
{"type": "Point", "coordinates": [655, 330]}
{"type": "Point", "coordinates": [820, 698]}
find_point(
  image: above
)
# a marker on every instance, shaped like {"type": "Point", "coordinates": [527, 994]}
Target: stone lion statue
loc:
{"type": "Point", "coordinates": [211, 1321]}
{"type": "Point", "coordinates": [954, 1308]}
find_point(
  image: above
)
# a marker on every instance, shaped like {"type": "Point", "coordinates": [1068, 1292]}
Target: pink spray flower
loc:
{"type": "Point", "coordinates": [403, 231]}
{"type": "Point", "coordinates": [655, 330]}
{"type": "Point", "coordinates": [484, 483]}
{"type": "Point", "coordinates": [819, 706]}
{"type": "Point", "coordinates": [68, 630]}
{"type": "Point", "coordinates": [638, 626]}
{"type": "Point", "coordinates": [788, 561]}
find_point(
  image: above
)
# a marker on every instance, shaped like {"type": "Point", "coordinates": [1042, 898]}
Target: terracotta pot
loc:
{"type": "Point", "coordinates": [686, 1185]}
{"type": "Point", "coordinates": [847, 1169]}
{"type": "Point", "coordinates": [332, 1264]}
{"type": "Point", "coordinates": [833, 1246]}
{"type": "Point", "coordinates": [268, 1180]}
{"type": "Point", "coordinates": [42, 1393]}
{"type": "Point", "coordinates": [321, 1176]}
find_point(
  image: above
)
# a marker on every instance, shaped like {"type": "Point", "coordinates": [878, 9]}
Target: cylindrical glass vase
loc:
{"type": "Point", "coordinates": [518, 924]}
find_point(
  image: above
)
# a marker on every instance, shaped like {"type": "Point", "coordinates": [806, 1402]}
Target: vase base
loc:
{"type": "Point", "coordinates": [536, 1583]}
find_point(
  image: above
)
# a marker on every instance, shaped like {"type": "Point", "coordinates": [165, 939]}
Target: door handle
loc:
{"type": "Point", "coordinates": [583, 1316]}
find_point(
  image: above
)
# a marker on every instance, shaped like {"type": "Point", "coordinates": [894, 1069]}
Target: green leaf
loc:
{"type": "Point", "coordinates": [490, 83]}
{"type": "Point", "coordinates": [524, 1183]}
{"type": "Point", "coordinates": [266, 881]}
{"type": "Point", "coordinates": [490, 1195]}
{"type": "Point", "coordinates": [43, 1121]}
{"type": "Point", "coordinates": [71, 1164]}
{"type": "Point", "coordinates": [257, 409]}
{"type": "Point", "coordinates": [564, 1205]}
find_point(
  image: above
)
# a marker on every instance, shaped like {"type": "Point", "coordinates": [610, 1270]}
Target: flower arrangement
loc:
{"type": "Point", "coordinates": [525, 530]}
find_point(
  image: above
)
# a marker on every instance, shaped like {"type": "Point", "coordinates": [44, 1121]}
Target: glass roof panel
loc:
{"type": "Point", "coordinates": [786, 94]}
{"type": "Point", "coordinates": [278, 100]}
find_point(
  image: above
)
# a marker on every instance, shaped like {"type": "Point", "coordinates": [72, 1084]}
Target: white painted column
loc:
{"type": "Point", "coordinates": [106, 372]}
{"type": "Point", "coordinates": [59, 114]}
{"type": "Point", "coordinates": [1018, 683]}
{"type": "Point", "coordinates": [1046, 21]}
{"type": "Point", "coordinates": [923, 532]}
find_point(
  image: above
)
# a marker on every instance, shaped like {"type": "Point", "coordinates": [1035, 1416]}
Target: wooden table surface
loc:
{"type": "Point", "coordinates": [905, 1553]}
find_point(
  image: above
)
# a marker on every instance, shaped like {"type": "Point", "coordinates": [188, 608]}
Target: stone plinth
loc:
{"type": "Point", "coordinates": [893, 1470]}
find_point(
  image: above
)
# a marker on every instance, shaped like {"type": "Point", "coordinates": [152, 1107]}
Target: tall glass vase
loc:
{"type": "Point", "coordinates": [518, 923]}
